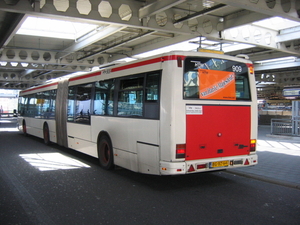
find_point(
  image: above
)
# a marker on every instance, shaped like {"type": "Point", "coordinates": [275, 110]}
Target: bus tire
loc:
{"type": "Point", "coordinates": [46, 134]}
{"type": "Point", "coordinates": [24, 128]}
{"type": "Point", "coordinates": [105, 152]}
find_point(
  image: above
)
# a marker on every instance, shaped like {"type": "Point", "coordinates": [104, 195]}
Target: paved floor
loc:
{"type": "Point", "coordinates": [278, 159]}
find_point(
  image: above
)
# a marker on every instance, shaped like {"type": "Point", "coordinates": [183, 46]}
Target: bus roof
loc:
{"type": "Point", "coordinates": [136, 63]}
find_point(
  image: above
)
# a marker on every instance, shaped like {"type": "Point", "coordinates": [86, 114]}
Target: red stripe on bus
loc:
{"type": "Point", "coordinates": [44, 86]}
{"type": "Point", "coordinates": [147, 62]}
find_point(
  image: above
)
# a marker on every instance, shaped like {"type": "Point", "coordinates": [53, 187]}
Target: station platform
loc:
{"type": "Point", "coordinates": [278, 159]}
{"type": "Point", "coordinates": [278, 156]}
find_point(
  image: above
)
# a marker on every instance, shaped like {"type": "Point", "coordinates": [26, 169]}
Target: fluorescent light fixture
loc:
{"type": "Point", "coordinates": [44, 27]}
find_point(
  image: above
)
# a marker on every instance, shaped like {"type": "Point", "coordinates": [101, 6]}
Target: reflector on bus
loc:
{"type": "Point", "coordinates": [210, 51]}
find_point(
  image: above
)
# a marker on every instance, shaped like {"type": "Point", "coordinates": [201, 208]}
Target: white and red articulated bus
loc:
{"type": "Point", "coordinates": [175, 113]}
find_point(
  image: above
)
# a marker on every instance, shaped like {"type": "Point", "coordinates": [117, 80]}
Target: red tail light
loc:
{"type": "Point", "coordinates": [251, 69]}
{"type": "Point", "coordinates": [201, 166]}
{"type": "Point", "coordinates": [252, 145]}
{"type": "Point", "coordinates": [180, 151]}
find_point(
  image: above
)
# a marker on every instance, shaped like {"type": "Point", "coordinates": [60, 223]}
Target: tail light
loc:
{"type": "Point", "coordinates": [252, 145]}
{"type": "Point", "coordinates": [180, 151]}
{"type": "Point", "coordinates": [250, 67]}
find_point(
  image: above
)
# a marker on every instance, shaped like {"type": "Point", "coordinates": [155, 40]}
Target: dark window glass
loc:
{"type": "Point", "coordinates": [104, 97]}
{"type": "Point", "coordinates": [215, 79]}
{"type": "Point", "coordinates": [130, 98]}
{"type": "Point", "coordinates": [31, 109]}
{"type": "Point", "coordinates": [83, 103]}
{"type": "Point", "coordinates": [152, 87]}
{"type": "Point", "coordinates": [71, 102]}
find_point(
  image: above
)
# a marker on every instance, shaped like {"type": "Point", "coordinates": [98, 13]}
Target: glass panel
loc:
{"type": "Point", "coordinates": [71, 100]}
{"type": "Point", "coordinates": [133, 83]}
{"type": "Point", "coordinates": [43, 104]}
{"type": "Point", "coordinates": [130, 103]}
{"type": "Point", "coordinates": [83, 103]}
{"type": "Point", "coordinates": [104, 96]}
{"type": "Point", "coordinates": [215, 79]}
{"type": "Point", "coordinates": [152, 85]}
{"type": "Point", "coordinates": [22, 105]}
{"type": "Point", "coordinates": [31, 110]}
{"type": "Point", "coordinates": [52, 104]}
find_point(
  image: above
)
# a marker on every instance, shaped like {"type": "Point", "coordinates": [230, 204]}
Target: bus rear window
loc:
{"type": "Point", "coordinates": [215, 79]}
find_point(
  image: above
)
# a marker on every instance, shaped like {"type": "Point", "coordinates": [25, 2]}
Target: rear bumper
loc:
{"type": "Point", "coordinates": [205, 165]}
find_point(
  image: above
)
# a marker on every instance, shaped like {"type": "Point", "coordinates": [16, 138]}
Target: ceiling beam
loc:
{"type": "Point", "coordinates": [115, 46]}
{"type": "Point", "coordinates": [157, 7]}
{"type": "Point", "coordinates": [241, 18]}
{"type": "Point", "coordinates": [200, 13]}
{"type": "Point", "coordinates": [285, 9]}
{"type": "Point", "coordinates": [259, 36]}
{"type": "Point", "coordinates": [12, 22]}
{"type": "Point", "coordinates": [289, 34]}
{"type": "Point", "coordinates": [277, 65]}
{"type": "Point", "coordinates": [99, 34]}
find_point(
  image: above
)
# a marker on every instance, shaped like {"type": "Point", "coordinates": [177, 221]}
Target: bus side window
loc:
{"type": "Point", "coordinates": [152, 92]}
{"type": "Point", "coordinates": [71, 101]}
{"type": "Point", "coordinates": [83, 103]}
{"type": "Point", "coordinates": [22, 105]}
{"type": "Point", "coordinates": [104, 97]}
{"type": "Point", "coordinates": [191, 84]}
{"type": "Point", "coordinates": [52, 104]}
{"type": "Point", "coordinates": [130, 98]}
{"type": "Point", "coordinates": [32, 107]}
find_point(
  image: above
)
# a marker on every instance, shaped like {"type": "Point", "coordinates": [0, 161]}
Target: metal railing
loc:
{"type": "Point", "coordinates": [289, 127]}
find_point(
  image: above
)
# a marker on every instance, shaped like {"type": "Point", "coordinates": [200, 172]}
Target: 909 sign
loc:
{"type": "Point", "coordinates": [237, 69]}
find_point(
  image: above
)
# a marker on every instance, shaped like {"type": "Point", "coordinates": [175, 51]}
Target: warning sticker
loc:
{"type": "Point", "coordinates": [214, 84]}
{"type": "Point", "coordinates": [194, 110]}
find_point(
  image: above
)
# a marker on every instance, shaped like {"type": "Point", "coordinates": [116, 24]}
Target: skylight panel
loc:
{"type": "Point", "coordinates": [182, 46]}
{"type": "Point", "coordinates": [277, 23]}
{"type": "Point", "coordinates": [44, 27]}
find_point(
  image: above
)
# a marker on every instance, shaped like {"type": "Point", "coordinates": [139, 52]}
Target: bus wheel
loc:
{"type": "Point", "coordinates": [46, 134]}
{"type": "Point", "coordinates": [105, 153]}
{"type": "Point", "coordinates": [24, 128]}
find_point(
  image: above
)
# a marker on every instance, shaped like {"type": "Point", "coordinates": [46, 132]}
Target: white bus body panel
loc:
{"type": "Point", "coordinates": [131, 138]}
{"type": "Point", "coordinates": [34, 127]}
{"type": "Point", "coordinates": [79, 138]}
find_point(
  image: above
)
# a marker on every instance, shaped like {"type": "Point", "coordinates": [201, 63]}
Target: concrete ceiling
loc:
{"type": "Point", "coordinates": [130, 27]}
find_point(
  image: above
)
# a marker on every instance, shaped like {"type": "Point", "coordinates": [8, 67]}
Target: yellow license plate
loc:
{"type": "Point", "coordinates": [220, 164]}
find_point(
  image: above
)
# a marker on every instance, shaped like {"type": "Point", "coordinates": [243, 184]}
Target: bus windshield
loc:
{"type": "Point", "coordinates": [215, 79]}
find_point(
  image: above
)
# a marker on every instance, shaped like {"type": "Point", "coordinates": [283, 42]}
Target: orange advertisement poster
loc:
{"type": "Point", "coordinates": [214, 84]}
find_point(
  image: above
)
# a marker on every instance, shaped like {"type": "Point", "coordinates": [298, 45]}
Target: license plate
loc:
{"type": "Point", "coordinates": [220, 163]}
